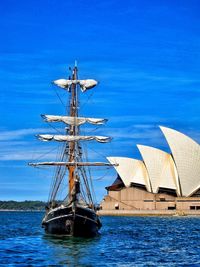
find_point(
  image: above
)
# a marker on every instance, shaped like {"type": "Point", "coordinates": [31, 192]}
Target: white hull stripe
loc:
{"type": "Point", "coordinates": [69, 215]}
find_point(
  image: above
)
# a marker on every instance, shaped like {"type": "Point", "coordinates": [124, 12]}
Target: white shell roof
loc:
{"type": "Point", "coordinates": [161, 168]}
{"type": "Point", "coordinates": [186, 154]}
{"type": "Point", "coordinates": [131, 171]}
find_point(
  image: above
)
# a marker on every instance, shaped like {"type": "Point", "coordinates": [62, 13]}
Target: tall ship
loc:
{"type": "Point", "coordinates": [76, 213]}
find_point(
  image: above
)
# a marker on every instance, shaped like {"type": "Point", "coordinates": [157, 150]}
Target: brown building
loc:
{"type": "Point", "coordinates": [160, 181]}
{"type": "Point", "coordinates": [133, 198]}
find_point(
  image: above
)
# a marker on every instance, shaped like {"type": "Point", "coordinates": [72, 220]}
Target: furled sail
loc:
{"type": "Point", "coordinates": [84, 84]}
{"type": "Point", "coordinates": [78, 164]}
{"type": "Point", "coordinates": [76, 121]}
{"type": "Point", "coordinates": [71, 138]}
{"type": "Point", "coordinates": [87, 84]}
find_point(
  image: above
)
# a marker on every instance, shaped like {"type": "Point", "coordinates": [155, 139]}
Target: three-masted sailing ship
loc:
{"type": "Point", "coordinates": [75, 215]}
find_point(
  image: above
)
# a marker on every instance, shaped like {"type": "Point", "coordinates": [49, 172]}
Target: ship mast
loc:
{"type": "Point", "coordinates": [73, 131]}
{"type": "Point", "coordinates": [74, 162]}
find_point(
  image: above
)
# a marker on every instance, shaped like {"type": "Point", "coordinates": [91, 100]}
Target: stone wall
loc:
{"type": "Point", "coordinates": [132, 198]}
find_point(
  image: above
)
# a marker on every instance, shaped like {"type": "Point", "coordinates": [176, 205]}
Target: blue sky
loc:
{"type": "Point", "coordinates": [144, 53]}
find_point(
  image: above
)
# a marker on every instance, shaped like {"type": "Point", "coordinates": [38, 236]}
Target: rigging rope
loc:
{"type": "Point", "coordinates": [59, 175]}
{"type": "Point", "coordinates": [87, 100]}
{"type": "Point", "coordinates": [54, 128]}
{"type": "Point", "coordinates": [53, 179]}
{"type": "Point", "coordinates": [61, 101]}
{"type": "Point", "coordinates": [100, 178]}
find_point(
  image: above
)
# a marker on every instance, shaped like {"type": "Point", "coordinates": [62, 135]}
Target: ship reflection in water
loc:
{"type": "Point", "coordinates": [124, 241]}
{"type": "Point", "coordinates": [71, 250]}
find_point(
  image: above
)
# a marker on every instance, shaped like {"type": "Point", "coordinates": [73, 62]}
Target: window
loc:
{"type": "Point", "coordinates": [162, 199]}
{"type": "Point", "coordinates": [172, 208]}
{"type": "Point", "coordinates": [195, 207]}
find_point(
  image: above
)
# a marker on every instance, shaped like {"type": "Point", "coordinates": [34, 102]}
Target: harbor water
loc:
{"type": "Point", "coordinates": [124, 241]}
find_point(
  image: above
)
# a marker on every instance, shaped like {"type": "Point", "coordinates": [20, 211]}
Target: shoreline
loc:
{"type": "Point", "coordinates": [129, 212]}
{"type": "Point", "coordinates": [10, 210]}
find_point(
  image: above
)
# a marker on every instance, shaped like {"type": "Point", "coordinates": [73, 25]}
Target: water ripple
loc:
{"type": "Point", "coordinates": [124, 241]}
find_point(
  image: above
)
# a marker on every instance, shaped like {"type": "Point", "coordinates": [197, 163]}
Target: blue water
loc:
{"type": "Point", "coordinates": [124, 241]}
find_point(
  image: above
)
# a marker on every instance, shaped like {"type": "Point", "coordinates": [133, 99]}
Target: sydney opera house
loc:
{"type": "Point", "coordinates": [159, 181]}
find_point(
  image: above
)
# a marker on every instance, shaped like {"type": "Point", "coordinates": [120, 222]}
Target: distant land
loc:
{"type": "Point", "coordinates": [26, 205]}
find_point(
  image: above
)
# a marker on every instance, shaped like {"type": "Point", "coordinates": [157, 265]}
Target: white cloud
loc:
{"type": "Point", "coordinates": [15, 145]}
{"type": "Point", "coordinates": [21, 133]}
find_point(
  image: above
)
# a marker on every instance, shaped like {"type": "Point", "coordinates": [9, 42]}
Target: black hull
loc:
{"type": "Point", "coordinates": [80, 222]}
